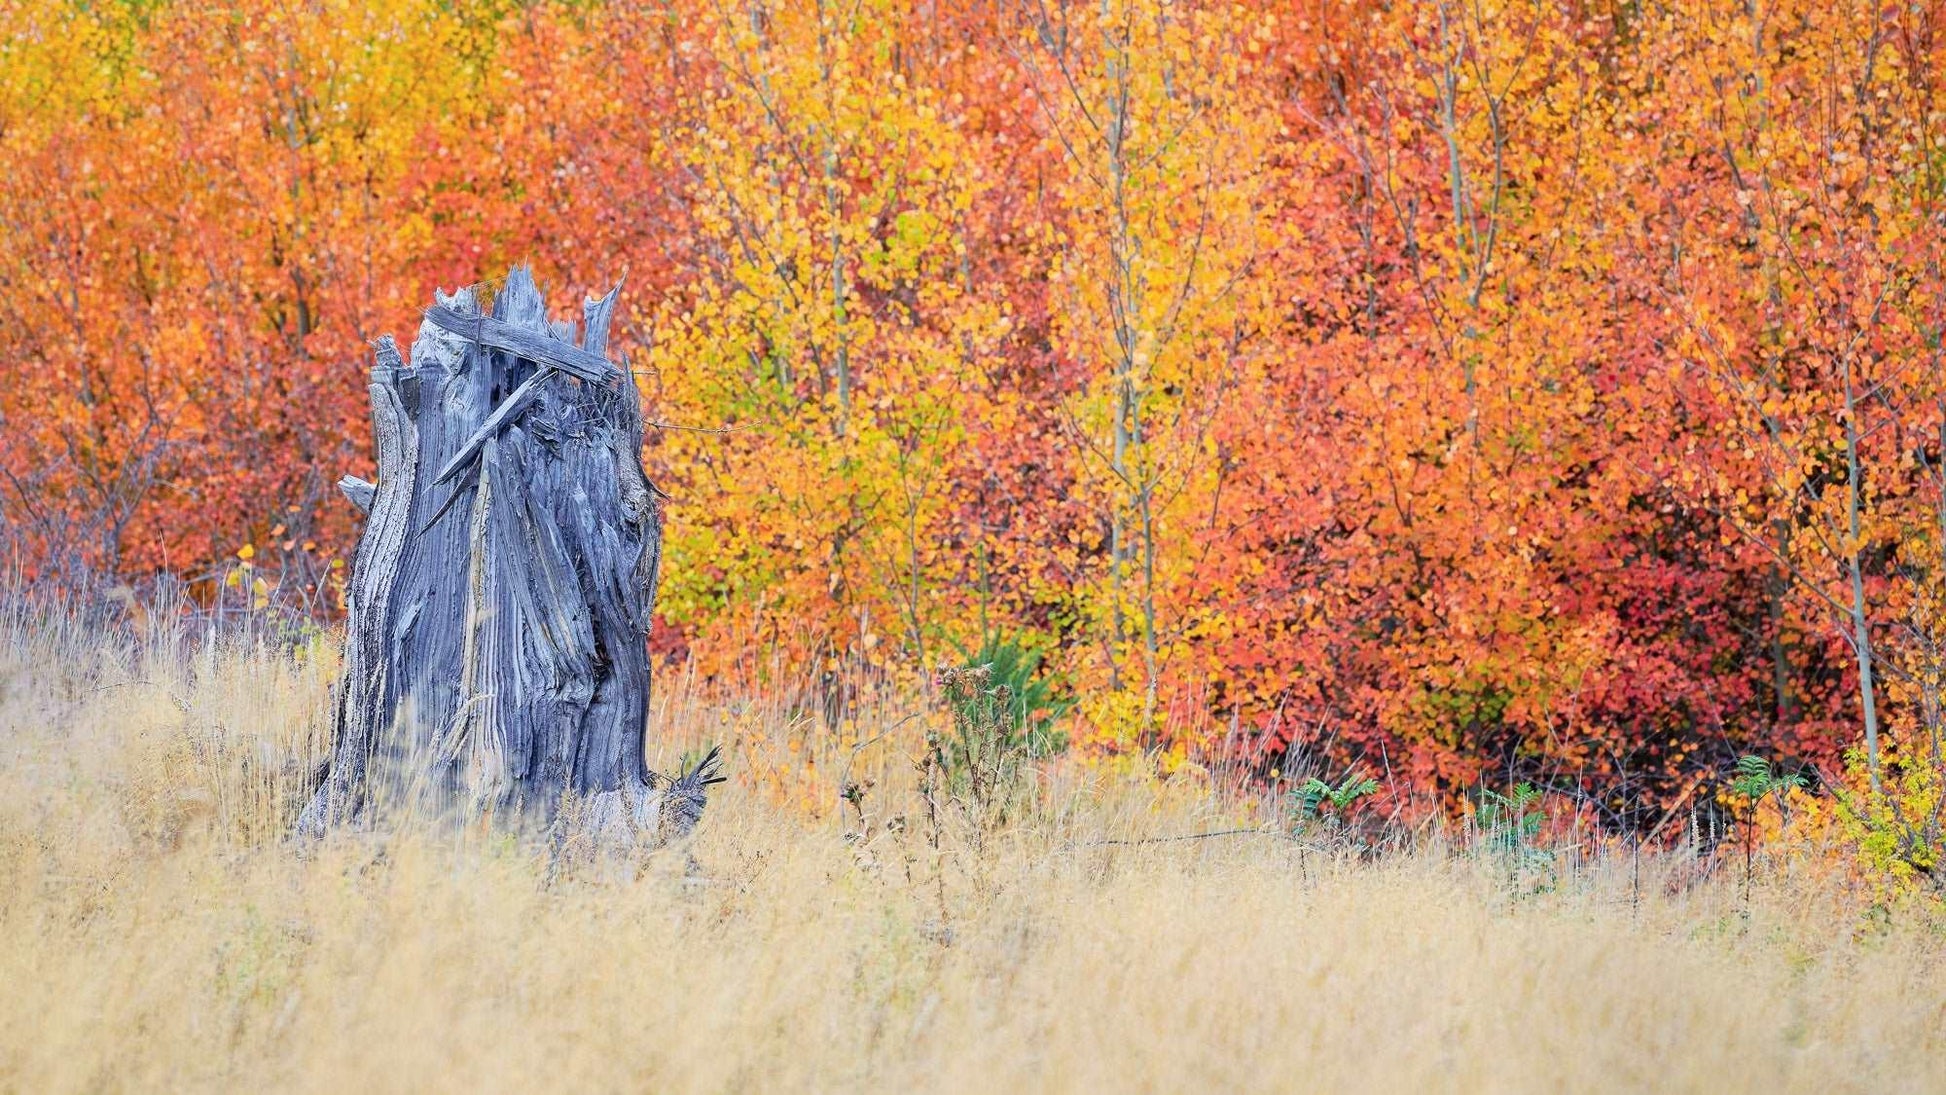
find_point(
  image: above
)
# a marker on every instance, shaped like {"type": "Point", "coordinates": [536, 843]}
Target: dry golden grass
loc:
{"type": "Point", "coordinates": [156, 933]}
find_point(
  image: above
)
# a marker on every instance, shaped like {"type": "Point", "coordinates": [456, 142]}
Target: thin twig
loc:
{"type": "Point", "coordinates": [698, 429]}
{"type": "Point", "coordinates": [1260, 830]}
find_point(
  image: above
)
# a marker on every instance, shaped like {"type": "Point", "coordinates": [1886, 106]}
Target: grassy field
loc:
{"type": "Point", "coordinates": [157, 932]}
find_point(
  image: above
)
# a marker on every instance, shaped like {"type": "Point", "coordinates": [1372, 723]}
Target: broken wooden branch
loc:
{"type": "Point", "coordinates": [529, 345]}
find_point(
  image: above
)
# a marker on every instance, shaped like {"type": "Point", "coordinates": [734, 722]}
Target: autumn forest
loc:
{"type": "Point", "coordinates": [1475, 392]}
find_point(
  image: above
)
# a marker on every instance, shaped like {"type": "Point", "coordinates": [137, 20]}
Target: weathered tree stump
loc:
{"type": "Point", "coordinates": [495, 655]}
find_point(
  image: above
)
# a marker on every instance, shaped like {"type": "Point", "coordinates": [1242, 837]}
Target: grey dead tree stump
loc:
{"type": "Point", "coordinates": [495, 654]}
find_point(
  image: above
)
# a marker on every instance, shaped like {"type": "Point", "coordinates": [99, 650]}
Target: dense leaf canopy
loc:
{"type": "Point", "coordinates": [1473, 390]}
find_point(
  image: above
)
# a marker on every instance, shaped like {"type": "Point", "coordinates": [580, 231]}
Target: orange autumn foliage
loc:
{"type": "Point", "coordinates": [1459, 388]}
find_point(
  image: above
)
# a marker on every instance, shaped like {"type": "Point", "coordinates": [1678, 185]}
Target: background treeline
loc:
{"type": "Point", "coordinates": [1488, 391]}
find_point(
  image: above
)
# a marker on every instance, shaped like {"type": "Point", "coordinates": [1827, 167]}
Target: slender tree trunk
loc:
{"type": "Point", "coordinates": [1122, 312]}
{"type": "Point", "coordinates": [1861, 634]}
{"type": "Point", "coordinates": [1776, 588]}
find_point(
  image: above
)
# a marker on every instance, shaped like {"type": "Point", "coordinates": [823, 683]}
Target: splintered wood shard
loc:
{"type": "Point", "coordinates": [496, 663]}
{"type": "Point", "coordinates": [358, 492]}
{"type": "Point", "coordinates": [535, 346]}
{"type": "Point", "coordinates": [508, 407]}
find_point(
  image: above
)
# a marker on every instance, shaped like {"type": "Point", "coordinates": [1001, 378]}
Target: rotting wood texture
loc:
{"type": "Point", "coordinates": [495, 654]}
